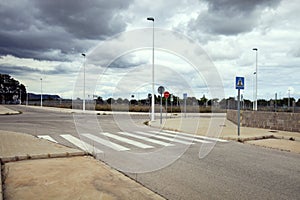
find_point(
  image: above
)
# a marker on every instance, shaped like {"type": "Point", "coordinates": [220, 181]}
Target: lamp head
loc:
{"type": "Point", "coordinates": [150, 19]}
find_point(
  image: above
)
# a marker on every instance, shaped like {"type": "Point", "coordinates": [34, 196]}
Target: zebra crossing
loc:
{"type": "Point", "coordinates": [126, 141]}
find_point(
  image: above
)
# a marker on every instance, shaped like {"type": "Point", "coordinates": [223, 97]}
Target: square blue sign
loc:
{"type": "Point", "coordinates": [239, 83]}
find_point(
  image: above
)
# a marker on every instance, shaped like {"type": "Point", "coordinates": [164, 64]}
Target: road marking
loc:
{"type": "Point", "coordinates": [181, 137]}
{"type": "Point", "coordinates": [147, 139]}
{"type": "Point", "coordinates": [107, 143]}
{"type": "Point", "coordinates": [81, 144]}
{"type": "Point", "coordinates": [126, 140]}
{"type": "Point", "coordinates": [196, 136]}
{"type": "Point", "coordinates": [164, 138]}
{"type": "Point", "coordinates": [47, 137]}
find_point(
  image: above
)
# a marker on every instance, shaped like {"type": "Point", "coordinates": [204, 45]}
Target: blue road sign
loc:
{"type": "Point", "coordinates": [239, 83]}
{"type": "Point", "coordinates": [184, 95]}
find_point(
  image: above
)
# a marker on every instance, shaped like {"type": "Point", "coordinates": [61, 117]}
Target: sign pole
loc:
{"type": "Point", "coordinates": [160, 109]}
{"type": "Point", "coordinates": [161, 90]}
{"type": "Point", "coordinates": [239, 112]}
{"type": "Point", "coordinates": [166, 107]}
{"type": "Point", "coordinates": [171, 104]}
{"type": "Point", "coordinates": [184, 98]}
{"type": "Point", "coordinates": [239, 85]}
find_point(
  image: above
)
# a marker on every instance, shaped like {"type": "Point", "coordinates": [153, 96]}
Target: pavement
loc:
{"type": "Point", "coordinates": [6, 111]}
{"type": "Point", "coordinates": [34, 168]}
{"type": "Point", "coordinates": [219, 127]}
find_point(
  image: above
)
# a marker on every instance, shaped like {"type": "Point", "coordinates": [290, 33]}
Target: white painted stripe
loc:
{"type": "Point", "coordinates": [126, 140]}
{"type": "Point", "coordinates": [147, 139]}
{"type": "Point", "coordinates": [81, 144]}
{"type": "Point", "coordinates": [197, 136]}
{"type": "Point", "coordinates": [47, 137]}
{"type": "Point", "coordinates": [107, 143]}
{"type": "Point", "coordinates": [181, 137]}
{"type": "Point", "coordinates": [164, 138]}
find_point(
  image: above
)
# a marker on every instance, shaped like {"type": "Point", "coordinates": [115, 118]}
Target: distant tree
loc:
{"type": "Point", "coordinates": [100, 100]}
{"type": "Point", "coordinates": [110, 101]}
{"type": "Point", "coordinates": [202, 101]}
{"type": "Point", "coordinates": [119, 101]}
{"type": "Point", "coordinates": [126, 101]}
{"type": "Point", "coordinates": [133, 102]}
{"type": "Point", "coordinates": [262, 102]}
{"type": "Point", "coordinates": [10, 89]}
{"type": "Point", "coordinates": [298, 102]}
{"type": "Point", "coordinates": [213, 102]}
{"type": "Point", "coordinates": [223, 103]}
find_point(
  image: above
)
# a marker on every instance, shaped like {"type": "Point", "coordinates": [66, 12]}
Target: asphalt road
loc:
{"type": "Point", "coordinates": [230, 171]}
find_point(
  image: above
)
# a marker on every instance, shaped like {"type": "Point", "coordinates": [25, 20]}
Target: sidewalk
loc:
{"type": "Point", "coordinates": [6, 111]}
{"type": "Point", "coordinates": [219, 127]}
{"type": "Point", "coordinates": [38, 169]}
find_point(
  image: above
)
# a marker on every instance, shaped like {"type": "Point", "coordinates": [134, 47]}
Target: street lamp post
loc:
{"type": "Point", "coordinates": [83, 103]}
{"type": "Point", "coordinates": [152, 102]}
{"type": "Point", "coordinates": [253, 91]}
{"type": "Point", "coordinates": [41, 92]}
{"type": "Point", "coordinates": [26, 95]}
{"type": "Point", "coordinates": [256, 72]}
{"type": "Point", "coordinates": [20, 96]}
{"type": "Point", "coordinates": [289, 98]}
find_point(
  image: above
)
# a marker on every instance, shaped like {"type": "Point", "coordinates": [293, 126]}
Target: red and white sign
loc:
{"type": "Point", "coordinates": [166, 94]}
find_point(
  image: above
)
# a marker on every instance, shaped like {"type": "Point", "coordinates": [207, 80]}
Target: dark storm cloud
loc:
{"type": "Point", "coordinates": [17, 70]}
{"type": "Point", "coordinates": [25, 70]}
{"type": "Point", "coordinates": [231, 17]}
{"type": "Point", "coordinates": [31, 28]}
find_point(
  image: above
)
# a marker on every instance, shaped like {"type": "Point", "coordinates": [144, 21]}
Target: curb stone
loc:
{"type": "Point", "coordinates": [250, 138]}
{"type": "Point", "coordinates": [41, 156]}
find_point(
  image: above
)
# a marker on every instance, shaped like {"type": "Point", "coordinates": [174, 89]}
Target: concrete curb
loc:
{"type": "Point", "coordinates": [41, 156]}
{"type": "Point", "coordinates": [249, 138]}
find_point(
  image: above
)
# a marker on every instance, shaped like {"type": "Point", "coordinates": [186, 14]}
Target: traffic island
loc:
{"type": "Point", "coordinates": [225, 129]}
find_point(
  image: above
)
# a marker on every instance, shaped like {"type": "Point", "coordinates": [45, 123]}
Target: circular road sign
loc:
{"type": "Point", "coordinates": [166, 94]}
{"type": "Point", "coordinates": [161, 90]}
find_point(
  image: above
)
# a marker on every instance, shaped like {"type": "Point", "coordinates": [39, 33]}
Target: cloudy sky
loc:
{"type": "Point", "coordinates": [45, 39]}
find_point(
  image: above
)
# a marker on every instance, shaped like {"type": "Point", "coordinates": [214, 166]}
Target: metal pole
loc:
{"type": "Point", "coordinates": [185, 107]}
{"type": "Point", "coordinates": [27, 97]}
{"type": "Point", "coordinates": [20, 97]}
{"type": "Point", "coordinates": [166, 107]}
{"type": "Point", "coordinates": [171, 104]}
{"type": "Point", "coordinates": [153, 103]}
{"type": "Point", "coordinates": [289, 99]}
{"type": "Point", "coordinates": [239, 110]}
{"type": "Point", "coordinates": [275, 102]}
{"type": "Point", "coordinates": [153, 100]}
{"type": "Point", "coordinates": [41, 92]}
{"type": "Point", "coordinates": [83, 103]}
{"type": "Point", "coordinates": [253, 91]}
{"type": "Point", "coordinates": [161, 109]}
{"type": "Point", "coordinates": [256, 83]}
